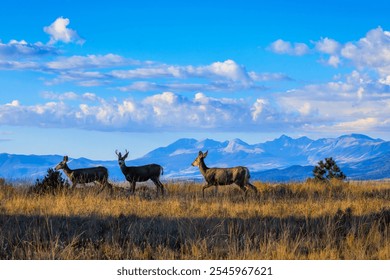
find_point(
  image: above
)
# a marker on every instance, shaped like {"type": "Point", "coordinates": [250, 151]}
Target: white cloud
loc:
{"type": "Point", "coordinates": [334, 61]}
{"type": "Point", "coordinates": [305, 109]}
{"type": "Point", "coordinates": [22, 49]}
{"type": "Point", "coordinates": [328, 46]}
{"type": "Point", "coordinates": [90, 61]}
{"type": "Point", "coordinates": [14, 103]}
{"type": "Point", "coordinates": [59, 32]}
{"type": "Point", "coordinates": [334, 105]}
{"type": "Point", "coordinates": [265, 77]}
{"type": "Point", "coordinates": [227, 70]}
{"type": "Point", "coordinates": [284, 47]}
{"type": "Point", "coordinates": [363, 124]}
{"type": "Point", "coordinates": [370, 52]}
{"type": "Point", "coordinates": [64, 96]}
{"type": "Point", "coordinates": [385, 80]}
{"type": "Point", "coordinates": [357, 103]}
{"type": "Point", "coordinates": [258, 108]}
{"type": "Point", "coordinates": [166, 111]}
{"type": "Point", "coordinates": [217, 76]}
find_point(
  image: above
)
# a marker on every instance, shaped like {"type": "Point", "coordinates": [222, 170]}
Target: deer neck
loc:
{"type": "Point", "coordinates": [67, 170]}
{"type": "Point", "coordinates": [123, 168]}
{"type": "Point", "coordinates": [202, 167]}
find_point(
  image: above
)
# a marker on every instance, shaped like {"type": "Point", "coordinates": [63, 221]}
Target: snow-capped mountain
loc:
{"type": "Point", "coordinates": [282, 159]}
{"type": "Point", "coordinates": [279, 154]}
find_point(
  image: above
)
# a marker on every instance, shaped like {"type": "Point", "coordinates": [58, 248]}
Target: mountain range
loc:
{"type": "Point", "coordinates": [283, 159]}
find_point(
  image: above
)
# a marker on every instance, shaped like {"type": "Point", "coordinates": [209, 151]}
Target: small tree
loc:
{"type": "Point", "coordinates": [327, 170]}
{"type": "Point", "coordinates": [51, 183]}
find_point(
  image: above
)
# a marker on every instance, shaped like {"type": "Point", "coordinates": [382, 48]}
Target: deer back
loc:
{"type": "Point", "coordinates": [86, 175]}
{"type": "Point", "coordinates": [226, 176]}
{"type": "Point", "coordinates": [142, 173]}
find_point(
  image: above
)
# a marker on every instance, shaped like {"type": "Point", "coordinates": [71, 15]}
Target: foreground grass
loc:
{"type": "Point", "coordinates": [288, 221]}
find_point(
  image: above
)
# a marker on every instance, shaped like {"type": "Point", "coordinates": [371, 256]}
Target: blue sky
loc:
{"type": "Point", "coordinates": [84, 78]}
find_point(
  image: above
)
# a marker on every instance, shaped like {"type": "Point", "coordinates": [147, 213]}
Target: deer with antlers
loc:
{"type": "Point", "coordinates": [143, 173]}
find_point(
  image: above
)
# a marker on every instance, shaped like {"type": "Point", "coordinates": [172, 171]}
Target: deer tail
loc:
{"type": "Point", "coordinates": [247, 175]}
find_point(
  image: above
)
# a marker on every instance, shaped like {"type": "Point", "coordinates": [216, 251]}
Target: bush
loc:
{"type": "Point", "coordinates": [328, 170]}
{"type": "Point", "coordinates": [52, 183]}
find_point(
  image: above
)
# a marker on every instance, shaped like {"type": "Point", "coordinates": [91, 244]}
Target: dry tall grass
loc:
{"type": "Point", "coordinates": [286, 221]}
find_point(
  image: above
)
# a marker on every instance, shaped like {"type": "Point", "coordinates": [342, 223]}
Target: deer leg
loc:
{"type": "Point", "coordinates": [205, 187]}
{"type": "Point", "coordinates": [110, 187]}
{"type": "Point", "coordinates": [132, 187]}
{"type": "Point", "coordinates": [159, 186]}
{"type": "Point", "coordinates": [252, 187]}
{"type": "Point", "coordinates": [244, 189]}
{"type": "Point", "coordinates": [103, 185]}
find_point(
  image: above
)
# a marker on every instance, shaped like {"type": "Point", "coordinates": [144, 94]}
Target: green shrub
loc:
{"type": "Point", "coordinates": [328, 170]}
{"type": "Point", "coordinates": [52, 183]}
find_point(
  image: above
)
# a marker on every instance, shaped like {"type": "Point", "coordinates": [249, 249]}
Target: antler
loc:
{"type": "Point", "coordinates": [118, 154]}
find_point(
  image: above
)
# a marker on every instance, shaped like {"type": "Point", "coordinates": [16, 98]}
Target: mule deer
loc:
{"type": "Point", "coordinates": [223, 176]}
{"type": "Point", "coordinates": [85, 175]}
{"type": "Point", "coordinates": [135, 174]}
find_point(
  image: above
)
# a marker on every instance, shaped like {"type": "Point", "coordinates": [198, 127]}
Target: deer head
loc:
{"type": "Point", "coordinates": [200, 157]}
{"type": "Point", "coordinates": [62, 164]}
{"type": "Point", "coordinates": [121, 159]}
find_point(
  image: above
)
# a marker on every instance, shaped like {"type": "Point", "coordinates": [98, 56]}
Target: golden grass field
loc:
{"type": "Point", "coordinates": [286, 221]}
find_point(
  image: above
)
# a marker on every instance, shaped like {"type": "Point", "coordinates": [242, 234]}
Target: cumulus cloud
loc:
{"type": "Point", "coordinates": [351, 104]}
{"type": "Point", "coordinates": [167, 111]}
{"type": "Point", "coordinates": [370, 52]}
{"type": "Point", "coordinates": [328, 46]}
{"type": "Point", "coordinates": [59, 32]}
{"type": "Point", "coordinates": [284, 47]}
{"type": "Point", "coordinates": [311, 108]}
{"type": "Point", "coordinates": [258, 108]}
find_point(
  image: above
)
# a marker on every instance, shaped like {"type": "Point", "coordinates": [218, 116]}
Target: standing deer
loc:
{"type": "Point", "coordinates": [97, 174]}
{"type": "Point", "coordinates": [223, 176]}
{"type": "Point", "coordinates": [135, 174]}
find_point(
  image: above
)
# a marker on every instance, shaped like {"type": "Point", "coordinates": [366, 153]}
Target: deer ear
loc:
{"type": "Point", "coordinates": [205, 154]}
{"type": "Point", "coordinates": [200, 153]}
{"type": "Point", "coordinates": [65, 158]}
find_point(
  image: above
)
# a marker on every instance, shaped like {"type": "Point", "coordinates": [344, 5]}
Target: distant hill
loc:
{"type": "Point", "coordinates": [282, 159]}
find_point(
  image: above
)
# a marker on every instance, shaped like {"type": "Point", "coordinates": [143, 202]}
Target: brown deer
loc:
{"type": "Point", "coordinates": [223, 176]}
{"type": "Point", "coordinates": [97, 174]}
{"type": "Point", "coordinates": [135, 174]}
